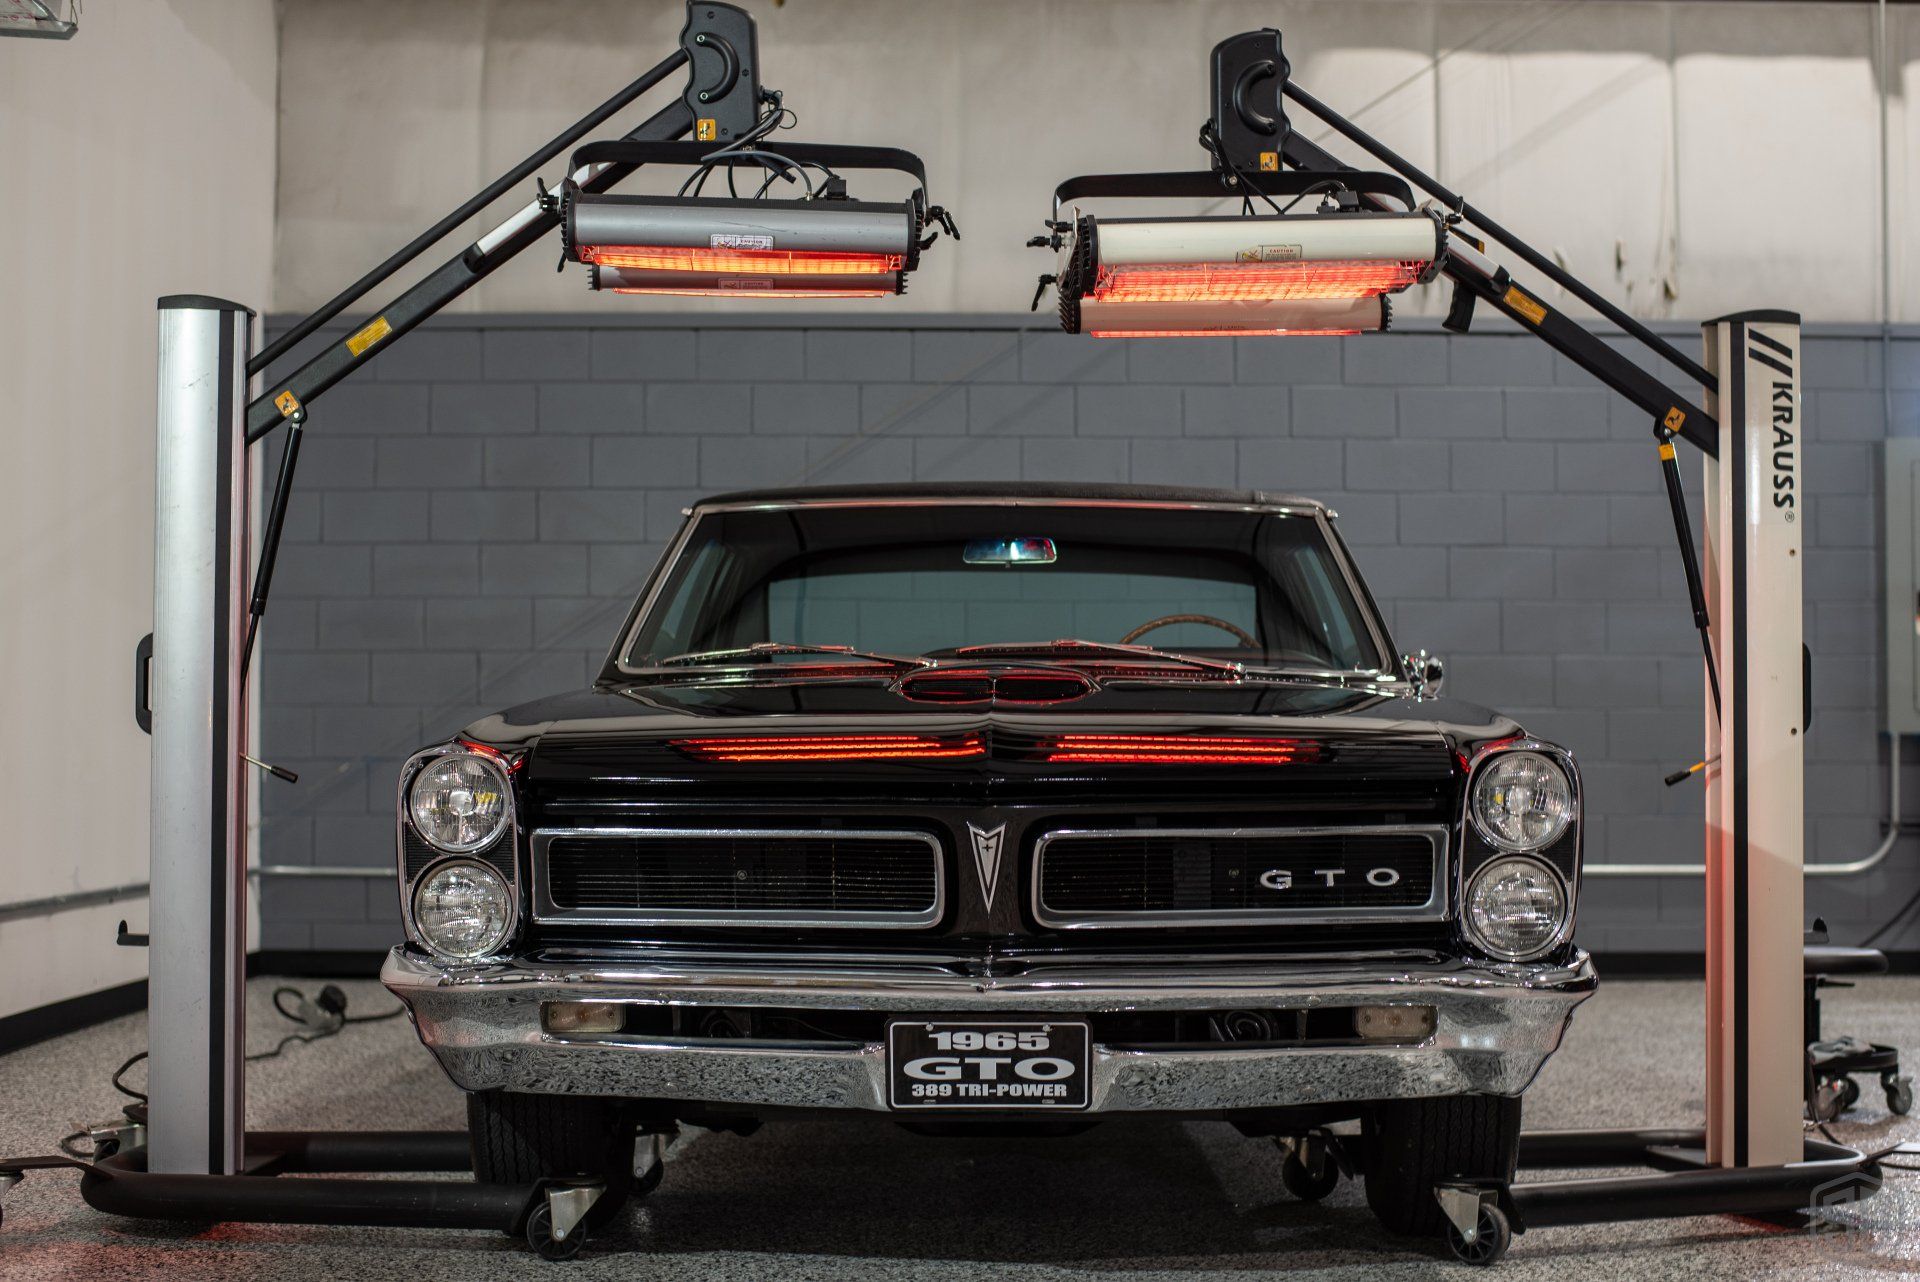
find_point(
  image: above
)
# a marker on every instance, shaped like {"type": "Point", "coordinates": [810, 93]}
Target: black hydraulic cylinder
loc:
{"type": "Point", "coordinates": [1690, 563]}
{"type": "Point", "coordinates": [270, 537]}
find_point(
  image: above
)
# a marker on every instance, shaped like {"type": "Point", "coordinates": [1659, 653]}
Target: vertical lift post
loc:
{"type": "Point", "coordinates": [1753, 1156]}
{"type": "Point", "coordinates": [186, 1153]}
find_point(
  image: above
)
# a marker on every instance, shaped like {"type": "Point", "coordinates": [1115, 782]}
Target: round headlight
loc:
{"type": "Point", "coordinates": [1522, 801]}
{"type": "Point", "coordinates": [459, 802]}
{"type": "Point", "coordinates": [462, 910]}
{"type": "Point", "coordinates": [1515, 908]}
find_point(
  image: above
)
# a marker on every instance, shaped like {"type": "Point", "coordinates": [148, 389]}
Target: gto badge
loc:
{"type": "Point", "coordinates": [986, 857]}
{"type": "Point", "coordinates": [1282, 878]}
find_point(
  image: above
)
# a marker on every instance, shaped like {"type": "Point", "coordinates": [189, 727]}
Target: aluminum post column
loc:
{"type": "Point", "coordinates": [1755, 510]}
{"type": "Point", "coordinates": [198, 911]}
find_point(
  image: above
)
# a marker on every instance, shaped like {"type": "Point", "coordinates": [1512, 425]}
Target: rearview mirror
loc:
{"type": "Point", "coordinates": [1022, 551]}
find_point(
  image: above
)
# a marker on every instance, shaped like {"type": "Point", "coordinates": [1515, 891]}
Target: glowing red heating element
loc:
{"type": "Point", "coordinates": [761, 262]}
{"type": "Point", "coordinates": [1220, 333]}
{"type": "Point", "coordinates": [1253, 282]}
{"type": "Point", "coordinates": [832, 747]}
{"type": "Point", "coordinates": [1182, 749]}
{"type": "Point", "coordinates": [760, 293]}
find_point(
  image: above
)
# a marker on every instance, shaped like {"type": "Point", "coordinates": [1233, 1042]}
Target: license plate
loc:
{"type": "Point", "coordinates": [942, 1064]}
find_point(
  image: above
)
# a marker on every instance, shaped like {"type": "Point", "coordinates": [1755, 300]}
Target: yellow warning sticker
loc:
{"type": "Point", "coordinates": [1666, 451]}
{"type": "Point", "coordinates": [706, 129]}
{"type": "Point", "coordinates": [1269, 162]}
{"type": "Point", "coordinates": [286, 403]}
{"type": "Point", "coordinates": [1675, 417]}
{"type": "Point", "coordinates": [1532, 309]}
{"type": "Point", "coordinates": [369, 334]}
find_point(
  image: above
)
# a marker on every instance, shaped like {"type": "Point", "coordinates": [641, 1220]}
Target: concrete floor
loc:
{"type": "Point", "coordinates": [1140, 1200]}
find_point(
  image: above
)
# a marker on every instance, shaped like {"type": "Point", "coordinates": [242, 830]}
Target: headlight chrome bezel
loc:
{"type": "Point", "coordinates": [510, 925]}
{"type": "Point", "coordinates": [1484, 769]}
{"type": "Point", "coordinates": [1487, 946]}
{"type": "Point", "coordinates": [488, 762]}
{"type": "Point", "coordinates": [500, 854]}
{"type": "Point", "coordinates": [1562, 857]}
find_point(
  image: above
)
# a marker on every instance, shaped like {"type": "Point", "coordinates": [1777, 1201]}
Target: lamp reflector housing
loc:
{"type": "Point", "coordinates": [1266, 274]}
{"type": "Point", "coordinates": [723, 247]}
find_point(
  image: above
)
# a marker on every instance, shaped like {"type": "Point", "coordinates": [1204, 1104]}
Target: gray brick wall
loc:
{"type": "Point", "coordinates": [478, 507]}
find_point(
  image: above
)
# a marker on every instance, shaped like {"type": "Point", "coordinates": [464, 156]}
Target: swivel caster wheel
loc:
{"type": "Point", "coordinates": [1849, 1093]}
{"type": "Point", "coordinates": [1826, 1102]}
{"type": "Point", "coordinates": [1899, 1093]}
{"type": "Point", "coordinates": [540, 1236]}
{"type": "Point", "coordinates": [1492, 1236]}
{"type": "Point", "coordinates": [1304, 1182]}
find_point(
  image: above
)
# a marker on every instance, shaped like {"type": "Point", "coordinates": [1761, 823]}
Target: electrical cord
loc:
{"type": "Point", "coordinates": [319, 1017]}
{"type": "Point", "coordinates": [1211, 142]}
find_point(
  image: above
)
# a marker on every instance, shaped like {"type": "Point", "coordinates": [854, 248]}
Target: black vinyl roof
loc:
{"type": "Point", "coordinates": [1110, 493]}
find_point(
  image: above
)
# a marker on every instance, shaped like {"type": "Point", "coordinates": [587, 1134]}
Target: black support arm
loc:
{"type": "Point", "coordinates": [446, 283]}
{"type": "Point", "coordinates": [1469, 268]}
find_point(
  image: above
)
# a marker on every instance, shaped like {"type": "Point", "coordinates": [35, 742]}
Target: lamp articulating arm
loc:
{"type": "Point", "coordinates": [1477, 277]}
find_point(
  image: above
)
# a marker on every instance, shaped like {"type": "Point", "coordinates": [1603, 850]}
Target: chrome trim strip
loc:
{"type": "Point", "coordinates": [546, 910]}
{"type": "Point", "coordinates": [1434, 909]}
{"type": "Point", "coordinates": [1362, 598]}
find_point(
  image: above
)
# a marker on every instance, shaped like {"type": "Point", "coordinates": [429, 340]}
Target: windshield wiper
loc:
{"type": "Point", "coordinates": [765, 651]}
{"type": "Point", "coordinates": [1073, 648]}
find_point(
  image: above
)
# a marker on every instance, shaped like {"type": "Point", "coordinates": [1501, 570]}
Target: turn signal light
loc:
{"type": "Point", "coordinates": [1393, 1023]}
{"type": "Point", "coordinates": [582, 1017]}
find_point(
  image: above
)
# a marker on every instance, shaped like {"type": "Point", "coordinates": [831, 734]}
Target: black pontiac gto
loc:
{"type": "Point", "coordinates": [998, 808]}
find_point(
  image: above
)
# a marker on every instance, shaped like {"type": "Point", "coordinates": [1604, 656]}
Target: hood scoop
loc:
{"type": "Point", "coordinates": [995, 685]}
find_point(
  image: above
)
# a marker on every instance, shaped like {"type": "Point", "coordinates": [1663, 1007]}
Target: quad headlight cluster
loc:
{"type": "Point", "coordinates": [462, 908]}
{"type": "Point", "coordinates": [1518, 906]}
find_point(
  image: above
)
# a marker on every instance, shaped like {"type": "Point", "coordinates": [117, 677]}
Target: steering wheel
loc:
{"type": "Point", "coordinates": [1168, 620]}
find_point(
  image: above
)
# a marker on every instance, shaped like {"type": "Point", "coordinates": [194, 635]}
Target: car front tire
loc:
{"type": "Point", "coordinates": [522, 1139]}
{"type": "Point", "coordinates": [1411, 1146]}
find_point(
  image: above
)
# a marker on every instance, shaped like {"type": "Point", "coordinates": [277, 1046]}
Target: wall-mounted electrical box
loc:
{"type": "Point", "coordinates": [1901, 478]}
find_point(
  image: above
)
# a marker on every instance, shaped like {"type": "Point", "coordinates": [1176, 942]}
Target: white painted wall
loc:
{"type": "Point", "coordinates": [135, 160]}
{"type": "Point", "coordinates": [1687, 158]}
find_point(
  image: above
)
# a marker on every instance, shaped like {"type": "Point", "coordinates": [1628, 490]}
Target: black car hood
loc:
{"type": "Point", "coordinates": [615, 738]}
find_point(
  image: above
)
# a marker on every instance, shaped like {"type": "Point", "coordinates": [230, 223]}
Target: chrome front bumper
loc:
{"type": "Point", "coordinates": [1495, 1027]}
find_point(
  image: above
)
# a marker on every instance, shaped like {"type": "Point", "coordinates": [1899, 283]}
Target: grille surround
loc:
{"type": "Point", "coordinates": [547, 909]}
{"type": "Point", "coordinates": [1434, 908]}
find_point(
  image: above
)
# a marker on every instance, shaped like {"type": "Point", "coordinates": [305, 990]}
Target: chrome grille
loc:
{"type": "Point", "coordinates": [1137, 877]}
{"type": "Point", "coordinates": [737, 877]}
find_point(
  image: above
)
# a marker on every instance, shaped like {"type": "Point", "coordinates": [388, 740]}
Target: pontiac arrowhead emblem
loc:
{"type": "Point", "coordinates": [986, 857]}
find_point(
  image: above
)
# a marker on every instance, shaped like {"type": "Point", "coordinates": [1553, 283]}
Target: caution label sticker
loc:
{"type": "Point", "coordinates": [369, 334]}
{"type": "Point", "coordinates": [739, 240]}
{"type": "Point", "coordinates": [1531, 308]}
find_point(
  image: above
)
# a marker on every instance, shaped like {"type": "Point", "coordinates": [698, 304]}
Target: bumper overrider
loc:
{"type": "Point", "coordinates": [1494, 1026]}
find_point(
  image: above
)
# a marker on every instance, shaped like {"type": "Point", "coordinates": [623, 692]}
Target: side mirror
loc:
{"type": "Point", "coordinates": [1424, 672]}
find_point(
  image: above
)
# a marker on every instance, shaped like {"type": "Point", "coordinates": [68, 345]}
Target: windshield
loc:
{"type": "Point", "coordinates": [1260, 588]}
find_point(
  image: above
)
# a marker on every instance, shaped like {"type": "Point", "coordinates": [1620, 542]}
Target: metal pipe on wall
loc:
{"type": "Point", "coordinates": [1847, 869]}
